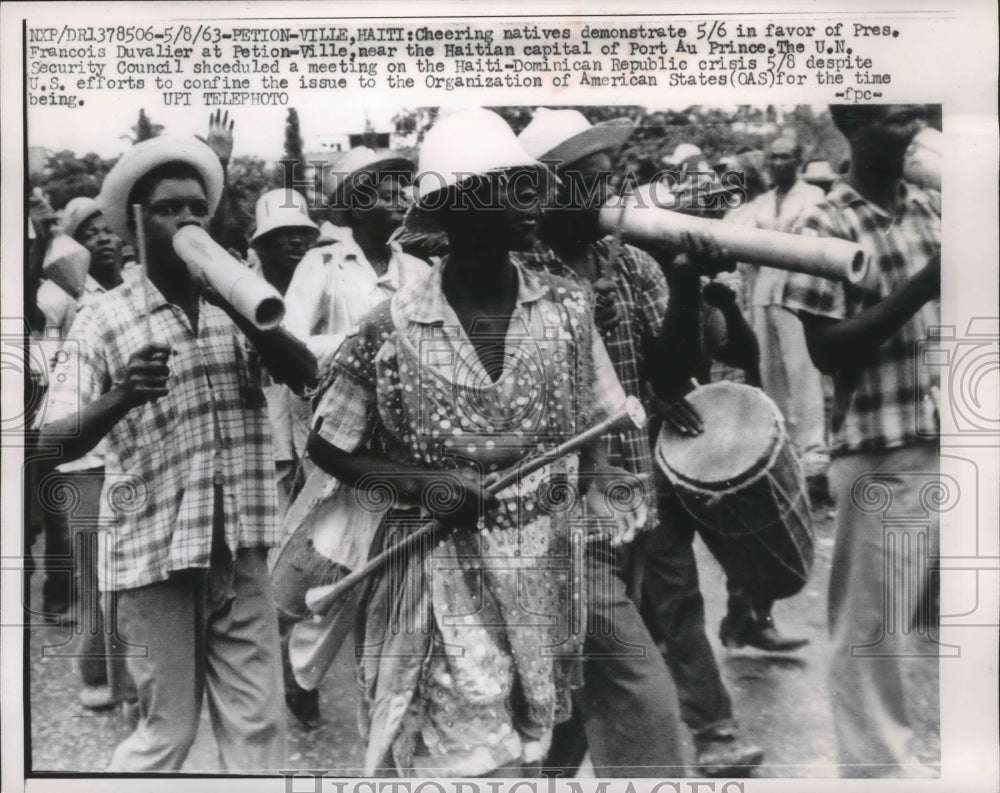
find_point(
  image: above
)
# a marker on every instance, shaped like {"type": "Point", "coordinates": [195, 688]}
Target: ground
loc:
{"type": "Point", "coordinates": [780, 701]}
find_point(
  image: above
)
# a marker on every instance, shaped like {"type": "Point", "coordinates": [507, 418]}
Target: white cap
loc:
{"type": "Point", "coordinates": [281, 208]}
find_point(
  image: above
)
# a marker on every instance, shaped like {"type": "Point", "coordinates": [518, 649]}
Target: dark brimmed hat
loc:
{"type": "Point", "coordinates": [360, 161]}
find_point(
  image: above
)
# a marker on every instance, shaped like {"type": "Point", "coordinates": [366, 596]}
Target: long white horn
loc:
{"type": "Point", "coordinates": [646, 221]}
{"type": "Point", "coordinates": [244, 290]}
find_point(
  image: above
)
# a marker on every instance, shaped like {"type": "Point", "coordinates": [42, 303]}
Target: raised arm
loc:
{"type": "Point", "coordinates": [852, 343]}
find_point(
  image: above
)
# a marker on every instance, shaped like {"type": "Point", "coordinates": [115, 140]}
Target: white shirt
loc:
{"type": "Point", "coordinates": [334, 286]}
{"type": "Point", "coordinates": [767, 284]}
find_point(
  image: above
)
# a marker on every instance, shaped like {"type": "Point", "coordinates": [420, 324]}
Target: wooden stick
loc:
{"type": "Point", "coordinates": [632, 415]}
{"type": "Point", "coordinates": [607, 267]}
{"type": "Point", "coordinates": [141, 254]}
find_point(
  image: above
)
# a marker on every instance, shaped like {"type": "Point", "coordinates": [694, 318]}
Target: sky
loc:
{"type": "Point", "coordinates": [98, 126]}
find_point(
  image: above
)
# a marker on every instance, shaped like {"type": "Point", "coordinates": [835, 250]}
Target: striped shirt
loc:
{"type": "Point", "coordinates": [210, 431]}
{"type": "Point", "coordinates": [887, 403]}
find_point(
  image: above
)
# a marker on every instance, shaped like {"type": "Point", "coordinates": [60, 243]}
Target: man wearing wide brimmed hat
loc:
{"type": "Point", "coordinates": [629, 706]}
{"type": "Point", "coordinates": [454, 379]}
{"type": "Point", "coordinates": [169, 380]}
{"type": "Point", "coordinates": [336, 284]}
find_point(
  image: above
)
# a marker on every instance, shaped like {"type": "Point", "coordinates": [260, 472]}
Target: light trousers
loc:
{"type": "Point", "coordinates": [790, 379]}
{"type": "Point", "coordinates": [882, 591]}
{"type": "Point", "coordinates": [206, 631]}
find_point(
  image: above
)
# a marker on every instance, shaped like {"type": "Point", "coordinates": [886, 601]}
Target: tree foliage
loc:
{"type": "Point", "coordinates": [67, 176]}
{"type": "Point", "coordinates": [292, 165]}
{"type": "Point", "coordinates": [249, 178]}
{"type": "Point", "coordinates": [144, 129]}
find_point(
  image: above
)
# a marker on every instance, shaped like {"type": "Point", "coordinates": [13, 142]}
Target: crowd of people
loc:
{"type": "Point", "coordinates": [445, 320]}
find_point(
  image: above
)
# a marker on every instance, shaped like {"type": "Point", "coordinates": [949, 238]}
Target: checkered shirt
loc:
{"type": "Point", "coordinates": [210, 430]}
{"type": "Point", "coordinates": [641, 294]}
{"type": "Point", "coordinates": [887, 403]}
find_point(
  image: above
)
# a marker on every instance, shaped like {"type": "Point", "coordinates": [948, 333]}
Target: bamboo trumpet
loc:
{"type": "Point", "coordinates": [252, 296]}
{"type": "Point", "coordinates": [632, 415]}
{"type": "Point", "coordinates": [645, 220]}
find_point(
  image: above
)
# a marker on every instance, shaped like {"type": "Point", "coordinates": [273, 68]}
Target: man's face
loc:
{"type": "Point", "coordinates": [586, 185]}
{"type": "Point", "coordinates": [892, 125]}
{"type": "Point", "coordinates": [589, 181]}
{"type": "Point", "coordinates": [507, 213]}
{"type": "Point", "coordinates": [783, 163]}
{"type": "Point", "coordinates": [104, 245]}
{"type": "Point", "coordinates": [172, 204]}
{"type": "Point", "coordinates": [385, 204]}
{"type": "Point", "coordinates": [285, 247]}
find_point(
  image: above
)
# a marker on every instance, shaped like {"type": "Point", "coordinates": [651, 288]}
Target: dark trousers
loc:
{"type": "Point", "coordinates": [674, 612]}
{"type": "Point", "coordinates": [627, 707]}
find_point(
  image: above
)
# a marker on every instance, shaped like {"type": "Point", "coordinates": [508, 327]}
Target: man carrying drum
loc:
{"type": "Point", "coordinates": [472, 646]}
{"type": "Point", "coordinates": [628, 706]}
{"type": "Point", "coordinates": [885, 427]}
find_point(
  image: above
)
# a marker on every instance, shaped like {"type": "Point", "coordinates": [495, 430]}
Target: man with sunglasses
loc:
{"type": "Point", "coordinates": [166, 377]}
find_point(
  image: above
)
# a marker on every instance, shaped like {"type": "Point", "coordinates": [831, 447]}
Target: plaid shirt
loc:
{"type": "Point", "coordinates": [641, 295]}
{"type": "Point", "coordinates": [887, 403]}
{"type": "Point", "coordinates": [210, 430]}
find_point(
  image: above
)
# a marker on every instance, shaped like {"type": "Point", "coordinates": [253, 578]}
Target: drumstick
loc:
{"type": "Point", "coordinates": [632, 415]}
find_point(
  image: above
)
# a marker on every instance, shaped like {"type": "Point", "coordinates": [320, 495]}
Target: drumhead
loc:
{"type": "Point", "coordinates": [742, 427]}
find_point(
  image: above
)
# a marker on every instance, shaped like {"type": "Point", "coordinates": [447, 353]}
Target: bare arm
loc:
{"type": "Point", "coordinates": [368, 469]}
{"type": "Point", "coordinates": [145, 380]}
{"type": "Point", "coordinates": [851, 343]}
{"type": "Point", "coordinates": [677, 350]}
{"type": "Point", "coordinates": [287, 359]}
{"type": "Point", "coordinates": [741, 348]}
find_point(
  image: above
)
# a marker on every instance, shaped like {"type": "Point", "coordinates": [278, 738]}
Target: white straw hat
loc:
{"type": "Point", "coordinates": [467, 143]}
{"type": "Point", "coordinates": [565, 136]}
{"type": "Point", "coordinates": [144, 157]}
{"type": "Point", "coordinates": [279, 209]}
